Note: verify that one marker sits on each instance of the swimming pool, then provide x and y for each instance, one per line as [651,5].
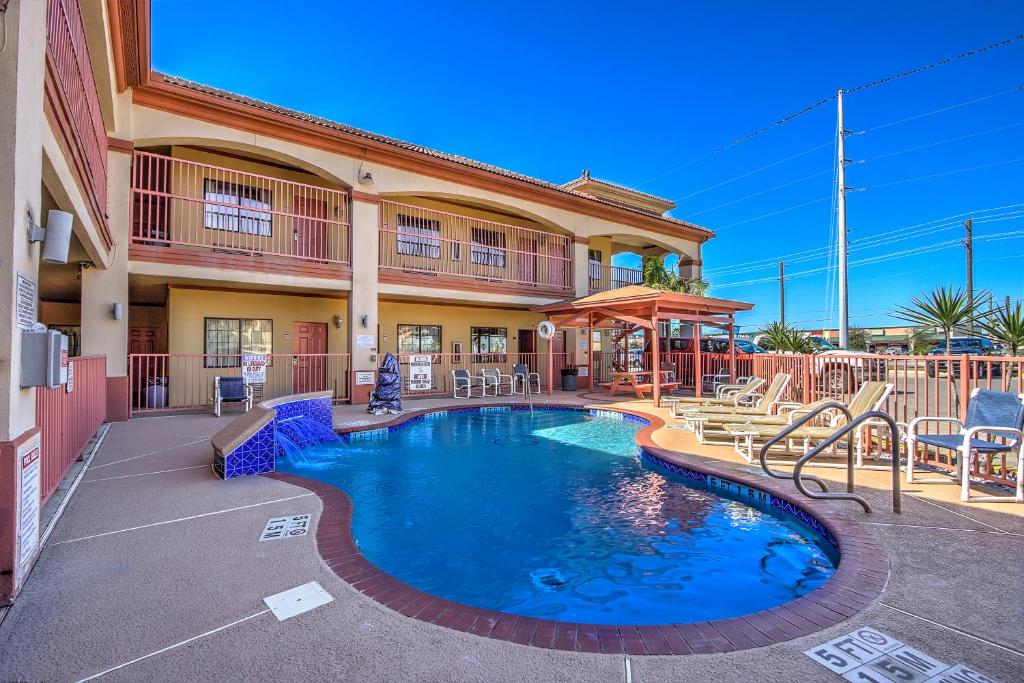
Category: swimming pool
[556,516]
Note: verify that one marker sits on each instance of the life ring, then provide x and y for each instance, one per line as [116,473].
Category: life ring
[545,329]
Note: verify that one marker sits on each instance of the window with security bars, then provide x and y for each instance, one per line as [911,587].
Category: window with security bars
[226,339]
[419,339]
[237,208]
[488,344]
[488,248]
[418,236]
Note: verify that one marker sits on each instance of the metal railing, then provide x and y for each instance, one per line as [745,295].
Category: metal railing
[423,241]
[841,432]
[601,278]
[161,382]
[442,365]
[186,203]
[68,419]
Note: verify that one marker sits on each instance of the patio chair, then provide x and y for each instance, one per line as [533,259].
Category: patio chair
[668,372]
[493,379]
[523,379]
[995,414]
[231,390]
[465,382]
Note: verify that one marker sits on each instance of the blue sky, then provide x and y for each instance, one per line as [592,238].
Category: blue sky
[633,91]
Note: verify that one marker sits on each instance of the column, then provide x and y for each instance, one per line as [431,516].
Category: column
[22,64]
[363,341]
[581,266]
[102,287]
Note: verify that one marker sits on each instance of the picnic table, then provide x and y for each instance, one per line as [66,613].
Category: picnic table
[633,380]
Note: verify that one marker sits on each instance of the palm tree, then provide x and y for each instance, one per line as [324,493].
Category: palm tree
[656,276]
[778,336]
[944,309]
[1005,324]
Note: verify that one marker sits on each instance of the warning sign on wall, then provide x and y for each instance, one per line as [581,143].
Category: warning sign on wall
[27,512]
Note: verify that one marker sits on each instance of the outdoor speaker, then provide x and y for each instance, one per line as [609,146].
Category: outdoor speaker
[58,237]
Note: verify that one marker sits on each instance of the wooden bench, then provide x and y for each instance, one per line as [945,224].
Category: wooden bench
[631,380]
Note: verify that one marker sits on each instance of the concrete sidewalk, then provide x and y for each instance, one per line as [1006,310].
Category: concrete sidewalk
[153,552]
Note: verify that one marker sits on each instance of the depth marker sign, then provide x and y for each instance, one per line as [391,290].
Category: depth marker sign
[869,656]
[285,527]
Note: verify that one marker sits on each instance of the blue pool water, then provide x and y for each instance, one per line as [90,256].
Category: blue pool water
[556,516]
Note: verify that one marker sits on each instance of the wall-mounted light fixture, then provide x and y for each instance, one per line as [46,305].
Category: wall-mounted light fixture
[364,320]
[116,311]
[337,322]
[56,236]
[366,178]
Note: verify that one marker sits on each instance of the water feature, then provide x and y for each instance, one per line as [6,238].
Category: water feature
[295,434]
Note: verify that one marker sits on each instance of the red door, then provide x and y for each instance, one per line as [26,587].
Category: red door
[310,232]
[309,364]
[558,266]
[144,340]
[528,348]
[526,261]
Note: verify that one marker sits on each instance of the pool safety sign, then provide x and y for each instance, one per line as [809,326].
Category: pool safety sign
[419,373]
[285,527]
[254,368]
[27,511]
[869,656]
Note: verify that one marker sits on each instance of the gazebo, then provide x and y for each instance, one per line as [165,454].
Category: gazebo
[636,307]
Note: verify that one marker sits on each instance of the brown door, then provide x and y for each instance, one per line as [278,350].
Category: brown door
[310,232]
[144,340]
[528,348]
[150,210]
[526,261]
[558,347]
[309,364]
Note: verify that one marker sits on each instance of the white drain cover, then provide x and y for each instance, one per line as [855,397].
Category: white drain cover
[298,600]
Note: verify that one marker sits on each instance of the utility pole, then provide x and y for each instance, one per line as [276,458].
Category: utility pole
[782,292]
[844,294]
[969,247]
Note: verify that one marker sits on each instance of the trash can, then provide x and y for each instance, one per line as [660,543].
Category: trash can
[569,379]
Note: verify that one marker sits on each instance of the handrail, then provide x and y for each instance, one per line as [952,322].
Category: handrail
[839,434]
[793,427]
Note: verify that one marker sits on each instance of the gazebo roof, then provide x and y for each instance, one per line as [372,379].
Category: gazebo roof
[638,303]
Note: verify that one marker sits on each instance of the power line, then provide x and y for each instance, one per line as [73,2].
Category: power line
[890,124]
[943,173]
[940,142]
[811,107]
[941,62]
[757,194]
[886,232]
[774,213]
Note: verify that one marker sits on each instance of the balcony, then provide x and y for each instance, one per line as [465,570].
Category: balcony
[601,278]
[196,214]
[73,109]
[435,248]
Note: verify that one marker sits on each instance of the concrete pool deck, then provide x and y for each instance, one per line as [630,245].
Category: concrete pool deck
[155,571]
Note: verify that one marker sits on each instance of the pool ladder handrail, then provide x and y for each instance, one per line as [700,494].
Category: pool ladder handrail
[851,424]
[529,396]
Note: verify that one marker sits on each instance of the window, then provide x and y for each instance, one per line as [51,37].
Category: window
[237,208]
[488,343]
[488,248]
[419,339]
[418,236]
[227,338]
[594,255]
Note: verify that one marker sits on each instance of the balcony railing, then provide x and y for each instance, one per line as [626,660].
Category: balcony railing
[602,278]
[73,98]
[425,242]
[176,202]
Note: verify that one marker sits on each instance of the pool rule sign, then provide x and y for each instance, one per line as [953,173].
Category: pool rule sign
[27,512]
[419,373]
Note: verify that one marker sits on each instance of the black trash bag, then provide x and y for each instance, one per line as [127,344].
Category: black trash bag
[387,396]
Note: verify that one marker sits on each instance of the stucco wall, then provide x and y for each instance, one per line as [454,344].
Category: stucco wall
[455,322]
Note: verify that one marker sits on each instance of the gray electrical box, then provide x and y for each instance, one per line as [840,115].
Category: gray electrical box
[44,358]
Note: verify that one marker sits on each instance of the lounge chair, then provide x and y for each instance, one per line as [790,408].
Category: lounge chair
[759,404]
[493,379]
[871,396]
[996,414]
[465,382]
[523,379]
[231,390]
[725,395]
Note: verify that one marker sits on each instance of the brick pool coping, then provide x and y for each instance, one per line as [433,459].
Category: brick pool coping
[856,583]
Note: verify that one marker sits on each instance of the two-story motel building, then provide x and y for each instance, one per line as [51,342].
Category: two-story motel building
[221,225]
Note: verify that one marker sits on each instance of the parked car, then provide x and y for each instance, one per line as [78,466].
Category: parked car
[710,345]
[841,372]
[969,346]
